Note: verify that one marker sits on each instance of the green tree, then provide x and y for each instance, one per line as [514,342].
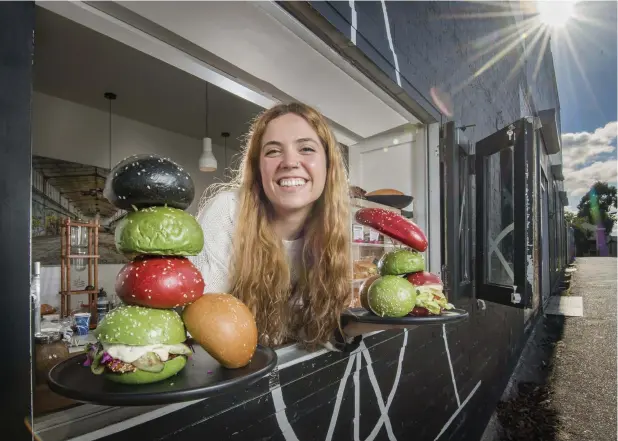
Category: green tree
[599,205]
[580,233]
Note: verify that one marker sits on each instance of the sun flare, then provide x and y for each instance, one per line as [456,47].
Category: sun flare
[555,14]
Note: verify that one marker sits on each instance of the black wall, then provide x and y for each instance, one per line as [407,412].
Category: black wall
[449,46]
[16,49]
[433,50]
[485,350]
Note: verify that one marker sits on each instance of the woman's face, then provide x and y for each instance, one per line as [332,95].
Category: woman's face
[292,164]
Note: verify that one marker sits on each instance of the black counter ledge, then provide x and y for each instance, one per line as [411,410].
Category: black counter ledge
[315,392]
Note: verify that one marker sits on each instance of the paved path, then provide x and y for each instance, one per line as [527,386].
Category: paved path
[583,381]
[564,388]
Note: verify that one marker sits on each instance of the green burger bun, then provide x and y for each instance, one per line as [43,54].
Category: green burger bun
[171,368]
[402,261]
[140,326]
[163,231]
[391,296]
[139,345]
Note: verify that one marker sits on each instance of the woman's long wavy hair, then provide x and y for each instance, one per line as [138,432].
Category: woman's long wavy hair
[260,275]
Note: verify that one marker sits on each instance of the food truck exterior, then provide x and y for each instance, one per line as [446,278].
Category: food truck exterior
[473,136]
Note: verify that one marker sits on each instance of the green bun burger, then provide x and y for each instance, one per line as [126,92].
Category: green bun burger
[391,296]
[403,261]
[160,231]
[139,345]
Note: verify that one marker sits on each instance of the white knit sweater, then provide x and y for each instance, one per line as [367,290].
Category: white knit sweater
[218,221]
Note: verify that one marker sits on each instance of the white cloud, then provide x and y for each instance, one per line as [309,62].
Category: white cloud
[579,148]
[582,166]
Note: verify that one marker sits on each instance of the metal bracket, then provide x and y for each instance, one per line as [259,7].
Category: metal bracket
[515,297]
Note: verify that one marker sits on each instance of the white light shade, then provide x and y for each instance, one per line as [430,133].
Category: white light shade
[208,162]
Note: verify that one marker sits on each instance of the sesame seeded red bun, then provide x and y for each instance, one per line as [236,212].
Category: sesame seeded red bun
[394,226]
[159,282]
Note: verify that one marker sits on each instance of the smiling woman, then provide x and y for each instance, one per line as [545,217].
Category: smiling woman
[278,236]
[293,171]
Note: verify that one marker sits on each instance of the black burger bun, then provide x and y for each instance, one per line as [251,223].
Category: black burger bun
[142,181]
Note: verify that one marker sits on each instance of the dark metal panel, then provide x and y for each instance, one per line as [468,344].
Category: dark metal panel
[207,414]
[457,256]
[16,57]
[519,138]
[411,98]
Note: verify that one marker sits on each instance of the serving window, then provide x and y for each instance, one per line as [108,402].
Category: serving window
[506,175]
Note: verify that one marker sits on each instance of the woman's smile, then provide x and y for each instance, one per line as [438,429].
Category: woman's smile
[292,164]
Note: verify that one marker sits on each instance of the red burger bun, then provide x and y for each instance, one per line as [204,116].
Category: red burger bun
[424,278]
[159,282]
[394,226]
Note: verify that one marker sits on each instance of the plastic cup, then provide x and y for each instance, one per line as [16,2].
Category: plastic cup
[82,322]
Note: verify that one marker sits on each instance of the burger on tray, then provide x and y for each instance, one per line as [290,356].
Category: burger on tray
[403,287]
[138,345]
[144,340]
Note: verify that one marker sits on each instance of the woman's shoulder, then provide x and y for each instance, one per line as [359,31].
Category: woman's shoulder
[222,204]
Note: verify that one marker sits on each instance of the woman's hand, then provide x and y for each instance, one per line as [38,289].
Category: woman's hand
[352,328]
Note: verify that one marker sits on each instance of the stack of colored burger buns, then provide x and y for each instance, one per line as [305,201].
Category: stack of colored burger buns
[144,340]
[402,287]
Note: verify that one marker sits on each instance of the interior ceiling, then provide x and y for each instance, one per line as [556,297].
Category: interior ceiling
[79,183]
[78,64]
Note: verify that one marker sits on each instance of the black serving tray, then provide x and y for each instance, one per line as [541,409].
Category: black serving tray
[361,315]
[395,200]
[202,377]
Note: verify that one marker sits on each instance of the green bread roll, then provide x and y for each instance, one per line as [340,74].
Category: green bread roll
[162,231]
[399,262]
[391,296]
[141,326]
[171,368]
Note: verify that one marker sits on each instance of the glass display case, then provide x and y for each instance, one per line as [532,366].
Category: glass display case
[367,247]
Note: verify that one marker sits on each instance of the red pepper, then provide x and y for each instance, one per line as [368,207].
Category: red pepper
[394,226]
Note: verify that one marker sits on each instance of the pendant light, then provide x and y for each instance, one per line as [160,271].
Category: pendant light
[208,162]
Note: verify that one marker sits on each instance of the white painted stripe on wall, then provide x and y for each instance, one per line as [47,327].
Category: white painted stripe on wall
[448,423]
[354,24]
[387,25]
[286,429]
[335,416]
[131,422]
[389,401]
[357,398]
[450,364]
[379,399]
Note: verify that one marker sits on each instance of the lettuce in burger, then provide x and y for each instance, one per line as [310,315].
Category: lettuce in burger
[430,298]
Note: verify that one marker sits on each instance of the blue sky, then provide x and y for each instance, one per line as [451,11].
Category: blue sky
[588,96]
